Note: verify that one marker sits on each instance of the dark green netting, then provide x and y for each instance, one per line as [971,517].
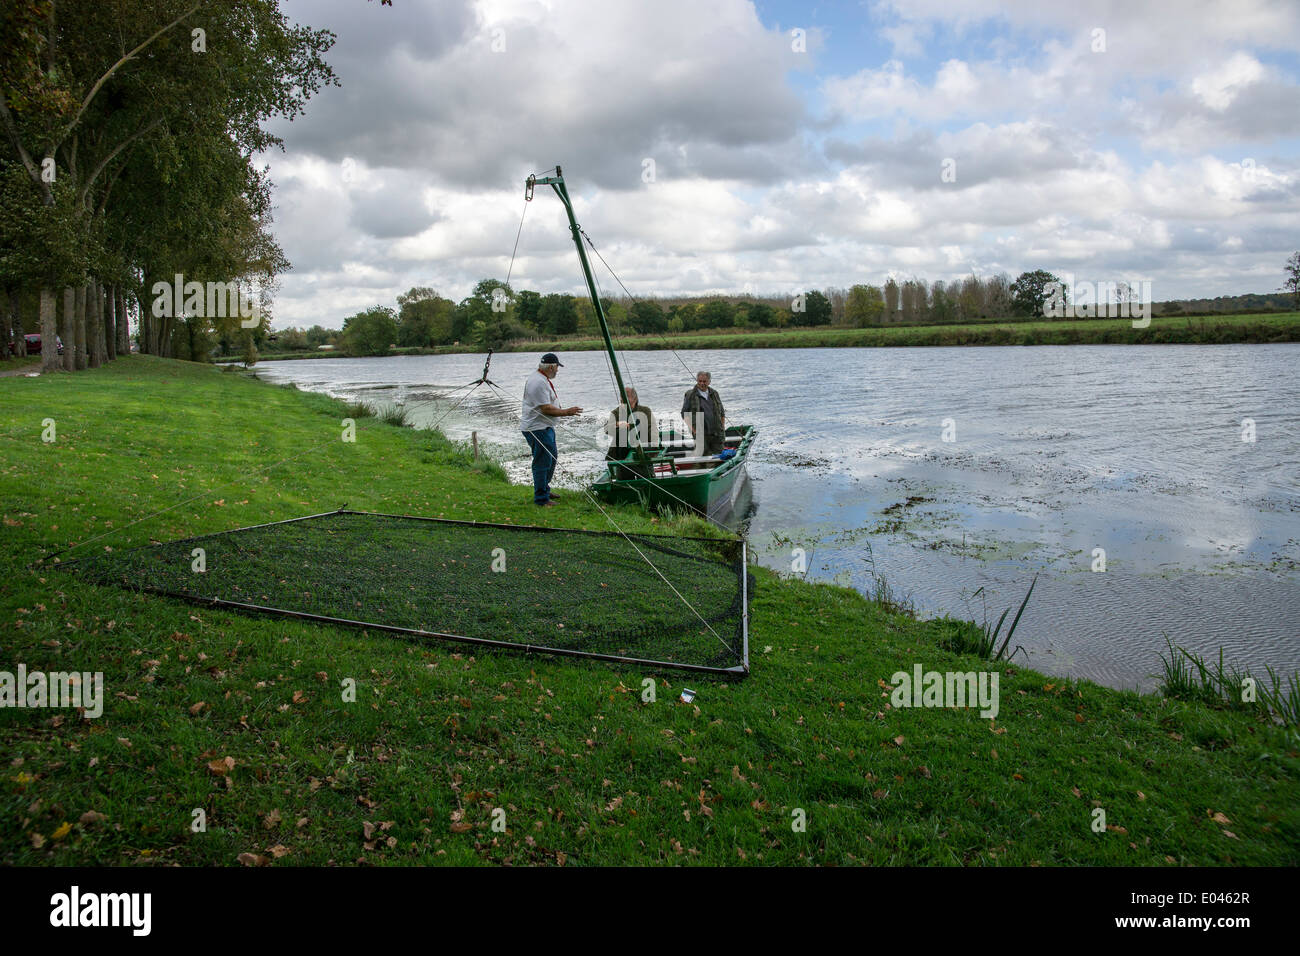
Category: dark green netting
[589,592]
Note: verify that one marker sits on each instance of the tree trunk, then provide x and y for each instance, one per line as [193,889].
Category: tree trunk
[16,323]
[123,325]
[69,331]
[109,298]
[95,323]
[49,331]
[143,320]
[81,328]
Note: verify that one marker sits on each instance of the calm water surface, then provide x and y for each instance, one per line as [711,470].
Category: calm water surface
[1055,452]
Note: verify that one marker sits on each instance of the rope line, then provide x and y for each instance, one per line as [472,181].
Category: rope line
[653,567]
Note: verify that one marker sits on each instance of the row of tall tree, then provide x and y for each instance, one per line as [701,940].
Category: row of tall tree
[129,130]
[494,313]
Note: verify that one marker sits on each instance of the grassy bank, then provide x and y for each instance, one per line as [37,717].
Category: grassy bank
[1163,330]
[242,717]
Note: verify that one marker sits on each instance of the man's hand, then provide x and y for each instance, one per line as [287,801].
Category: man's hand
[573,410]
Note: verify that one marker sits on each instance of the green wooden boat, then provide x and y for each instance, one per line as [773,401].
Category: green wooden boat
[669,475]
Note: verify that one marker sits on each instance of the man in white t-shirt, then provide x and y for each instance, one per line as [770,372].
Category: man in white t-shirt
[541,408]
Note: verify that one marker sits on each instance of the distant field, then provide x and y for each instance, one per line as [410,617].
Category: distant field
[1274,327]
[1163,330]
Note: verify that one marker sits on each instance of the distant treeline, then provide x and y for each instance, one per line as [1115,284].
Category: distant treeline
[494,314]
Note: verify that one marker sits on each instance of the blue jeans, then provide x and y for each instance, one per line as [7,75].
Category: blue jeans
[542,442]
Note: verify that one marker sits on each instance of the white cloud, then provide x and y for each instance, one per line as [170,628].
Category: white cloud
[1170,154]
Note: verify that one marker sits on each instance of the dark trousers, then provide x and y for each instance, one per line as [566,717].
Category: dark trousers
[542,442]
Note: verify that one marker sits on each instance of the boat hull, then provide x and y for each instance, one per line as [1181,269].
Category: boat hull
[702,490]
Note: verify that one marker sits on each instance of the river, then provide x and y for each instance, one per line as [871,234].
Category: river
[944,470]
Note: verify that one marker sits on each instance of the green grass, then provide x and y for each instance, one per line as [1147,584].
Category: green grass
[438,738]
[1187,675]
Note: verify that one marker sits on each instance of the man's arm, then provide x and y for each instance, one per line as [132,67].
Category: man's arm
[556,412]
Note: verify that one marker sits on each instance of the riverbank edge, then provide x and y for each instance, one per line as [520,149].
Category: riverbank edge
[823,655]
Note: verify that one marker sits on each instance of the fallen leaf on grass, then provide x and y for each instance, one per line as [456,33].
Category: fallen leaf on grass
[271,819]
[92,816]
[253,859]
[1219,818]
[222,767]
[197,708]
[279,850]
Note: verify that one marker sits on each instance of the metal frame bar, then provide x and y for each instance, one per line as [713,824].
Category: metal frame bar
[739,671]
[744,605]
[214,534]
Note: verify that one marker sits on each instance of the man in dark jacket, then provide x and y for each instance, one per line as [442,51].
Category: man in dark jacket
[702,406]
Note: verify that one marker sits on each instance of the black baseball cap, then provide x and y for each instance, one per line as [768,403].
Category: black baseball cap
[550,358]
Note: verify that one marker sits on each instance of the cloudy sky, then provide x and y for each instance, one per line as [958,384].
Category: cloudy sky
[761,146]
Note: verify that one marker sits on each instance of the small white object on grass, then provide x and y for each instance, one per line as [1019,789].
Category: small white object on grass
[688,695]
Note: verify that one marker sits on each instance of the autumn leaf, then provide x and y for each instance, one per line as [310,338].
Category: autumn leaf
[368,829]
[279,850]
[461,827]
[253,859]
[38,841]
[271,819]
[197,708]
[299,697]
[898,741]
[1219,818]
[62,831]
[93,816]
[222,766]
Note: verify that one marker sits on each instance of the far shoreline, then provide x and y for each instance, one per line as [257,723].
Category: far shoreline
[1255,329]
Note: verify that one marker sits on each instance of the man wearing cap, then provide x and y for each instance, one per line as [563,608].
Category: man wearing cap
[541,408]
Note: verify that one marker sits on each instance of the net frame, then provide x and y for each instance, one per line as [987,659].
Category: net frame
[737,671]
